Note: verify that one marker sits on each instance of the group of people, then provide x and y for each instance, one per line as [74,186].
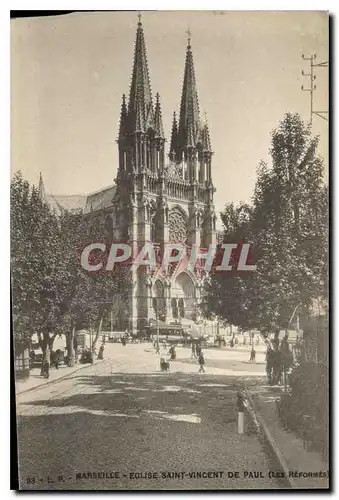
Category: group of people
[196,353]
[50,359]
[279,361]
[53,358]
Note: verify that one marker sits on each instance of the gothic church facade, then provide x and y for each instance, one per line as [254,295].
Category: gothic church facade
[159,197]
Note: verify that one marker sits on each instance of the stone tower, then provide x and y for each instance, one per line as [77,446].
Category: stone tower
[162,200]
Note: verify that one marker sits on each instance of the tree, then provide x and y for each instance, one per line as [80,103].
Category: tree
[286,226]
[34,263]
[52,293]
[83,297]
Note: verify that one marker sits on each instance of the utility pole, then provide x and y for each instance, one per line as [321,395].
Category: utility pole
[312,86]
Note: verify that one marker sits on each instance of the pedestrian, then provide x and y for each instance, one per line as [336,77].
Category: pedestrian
[198,350]
[46,362]
[201,361]
[252,356]
[57,356]
[193,354]
[172,353]
[101,352]
[157,349]
[269,365]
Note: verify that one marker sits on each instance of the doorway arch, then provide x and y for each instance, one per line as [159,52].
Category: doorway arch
[183,293]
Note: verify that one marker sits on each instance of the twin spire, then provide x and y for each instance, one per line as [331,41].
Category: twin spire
[140,116]
[190,132]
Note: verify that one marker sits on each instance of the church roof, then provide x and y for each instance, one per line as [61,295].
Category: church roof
[100,199]
[62,203]
[77,202]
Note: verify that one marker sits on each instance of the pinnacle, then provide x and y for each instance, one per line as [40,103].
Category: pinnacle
[159,129]
[41,189]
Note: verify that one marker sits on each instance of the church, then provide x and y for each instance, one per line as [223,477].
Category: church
[157,196]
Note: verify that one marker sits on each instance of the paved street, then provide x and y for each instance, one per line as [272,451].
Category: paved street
[122,416]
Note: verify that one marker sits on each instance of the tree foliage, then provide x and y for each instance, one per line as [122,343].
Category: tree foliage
[286,225]
[52,293]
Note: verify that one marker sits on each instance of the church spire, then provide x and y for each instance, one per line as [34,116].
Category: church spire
[158,126]
[205,136]
[174,138]
[41,190]
[140,92]
[189,121]
[123,118]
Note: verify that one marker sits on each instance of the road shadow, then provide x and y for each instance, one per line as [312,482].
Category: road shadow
[136,422]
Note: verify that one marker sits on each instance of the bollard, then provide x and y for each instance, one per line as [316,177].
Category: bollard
[241,406]
[240,422]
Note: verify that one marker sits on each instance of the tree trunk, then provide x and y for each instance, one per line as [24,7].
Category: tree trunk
[70,347]
[46,341]
[51,340]
[97,332]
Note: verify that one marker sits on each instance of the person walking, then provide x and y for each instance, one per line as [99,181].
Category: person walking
[101,352]
[157,348]
[46,363]
[193,354]
[269,365]
[201,361]
[252,356]
[172,353]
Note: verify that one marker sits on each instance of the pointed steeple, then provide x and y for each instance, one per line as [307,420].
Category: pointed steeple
[41,190]
[140,91]
[206,139]
[123,118]
[159,129]
[189,110]
[174,137]
[205,136]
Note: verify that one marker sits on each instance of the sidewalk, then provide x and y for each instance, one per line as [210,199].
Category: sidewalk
[36,380]
[290,449]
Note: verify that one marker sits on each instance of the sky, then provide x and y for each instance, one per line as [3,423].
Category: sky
[68,74]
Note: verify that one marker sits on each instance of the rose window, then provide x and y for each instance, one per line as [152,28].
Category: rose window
[177,226]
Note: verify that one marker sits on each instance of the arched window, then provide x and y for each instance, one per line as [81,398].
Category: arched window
[181,308]
[174,308]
